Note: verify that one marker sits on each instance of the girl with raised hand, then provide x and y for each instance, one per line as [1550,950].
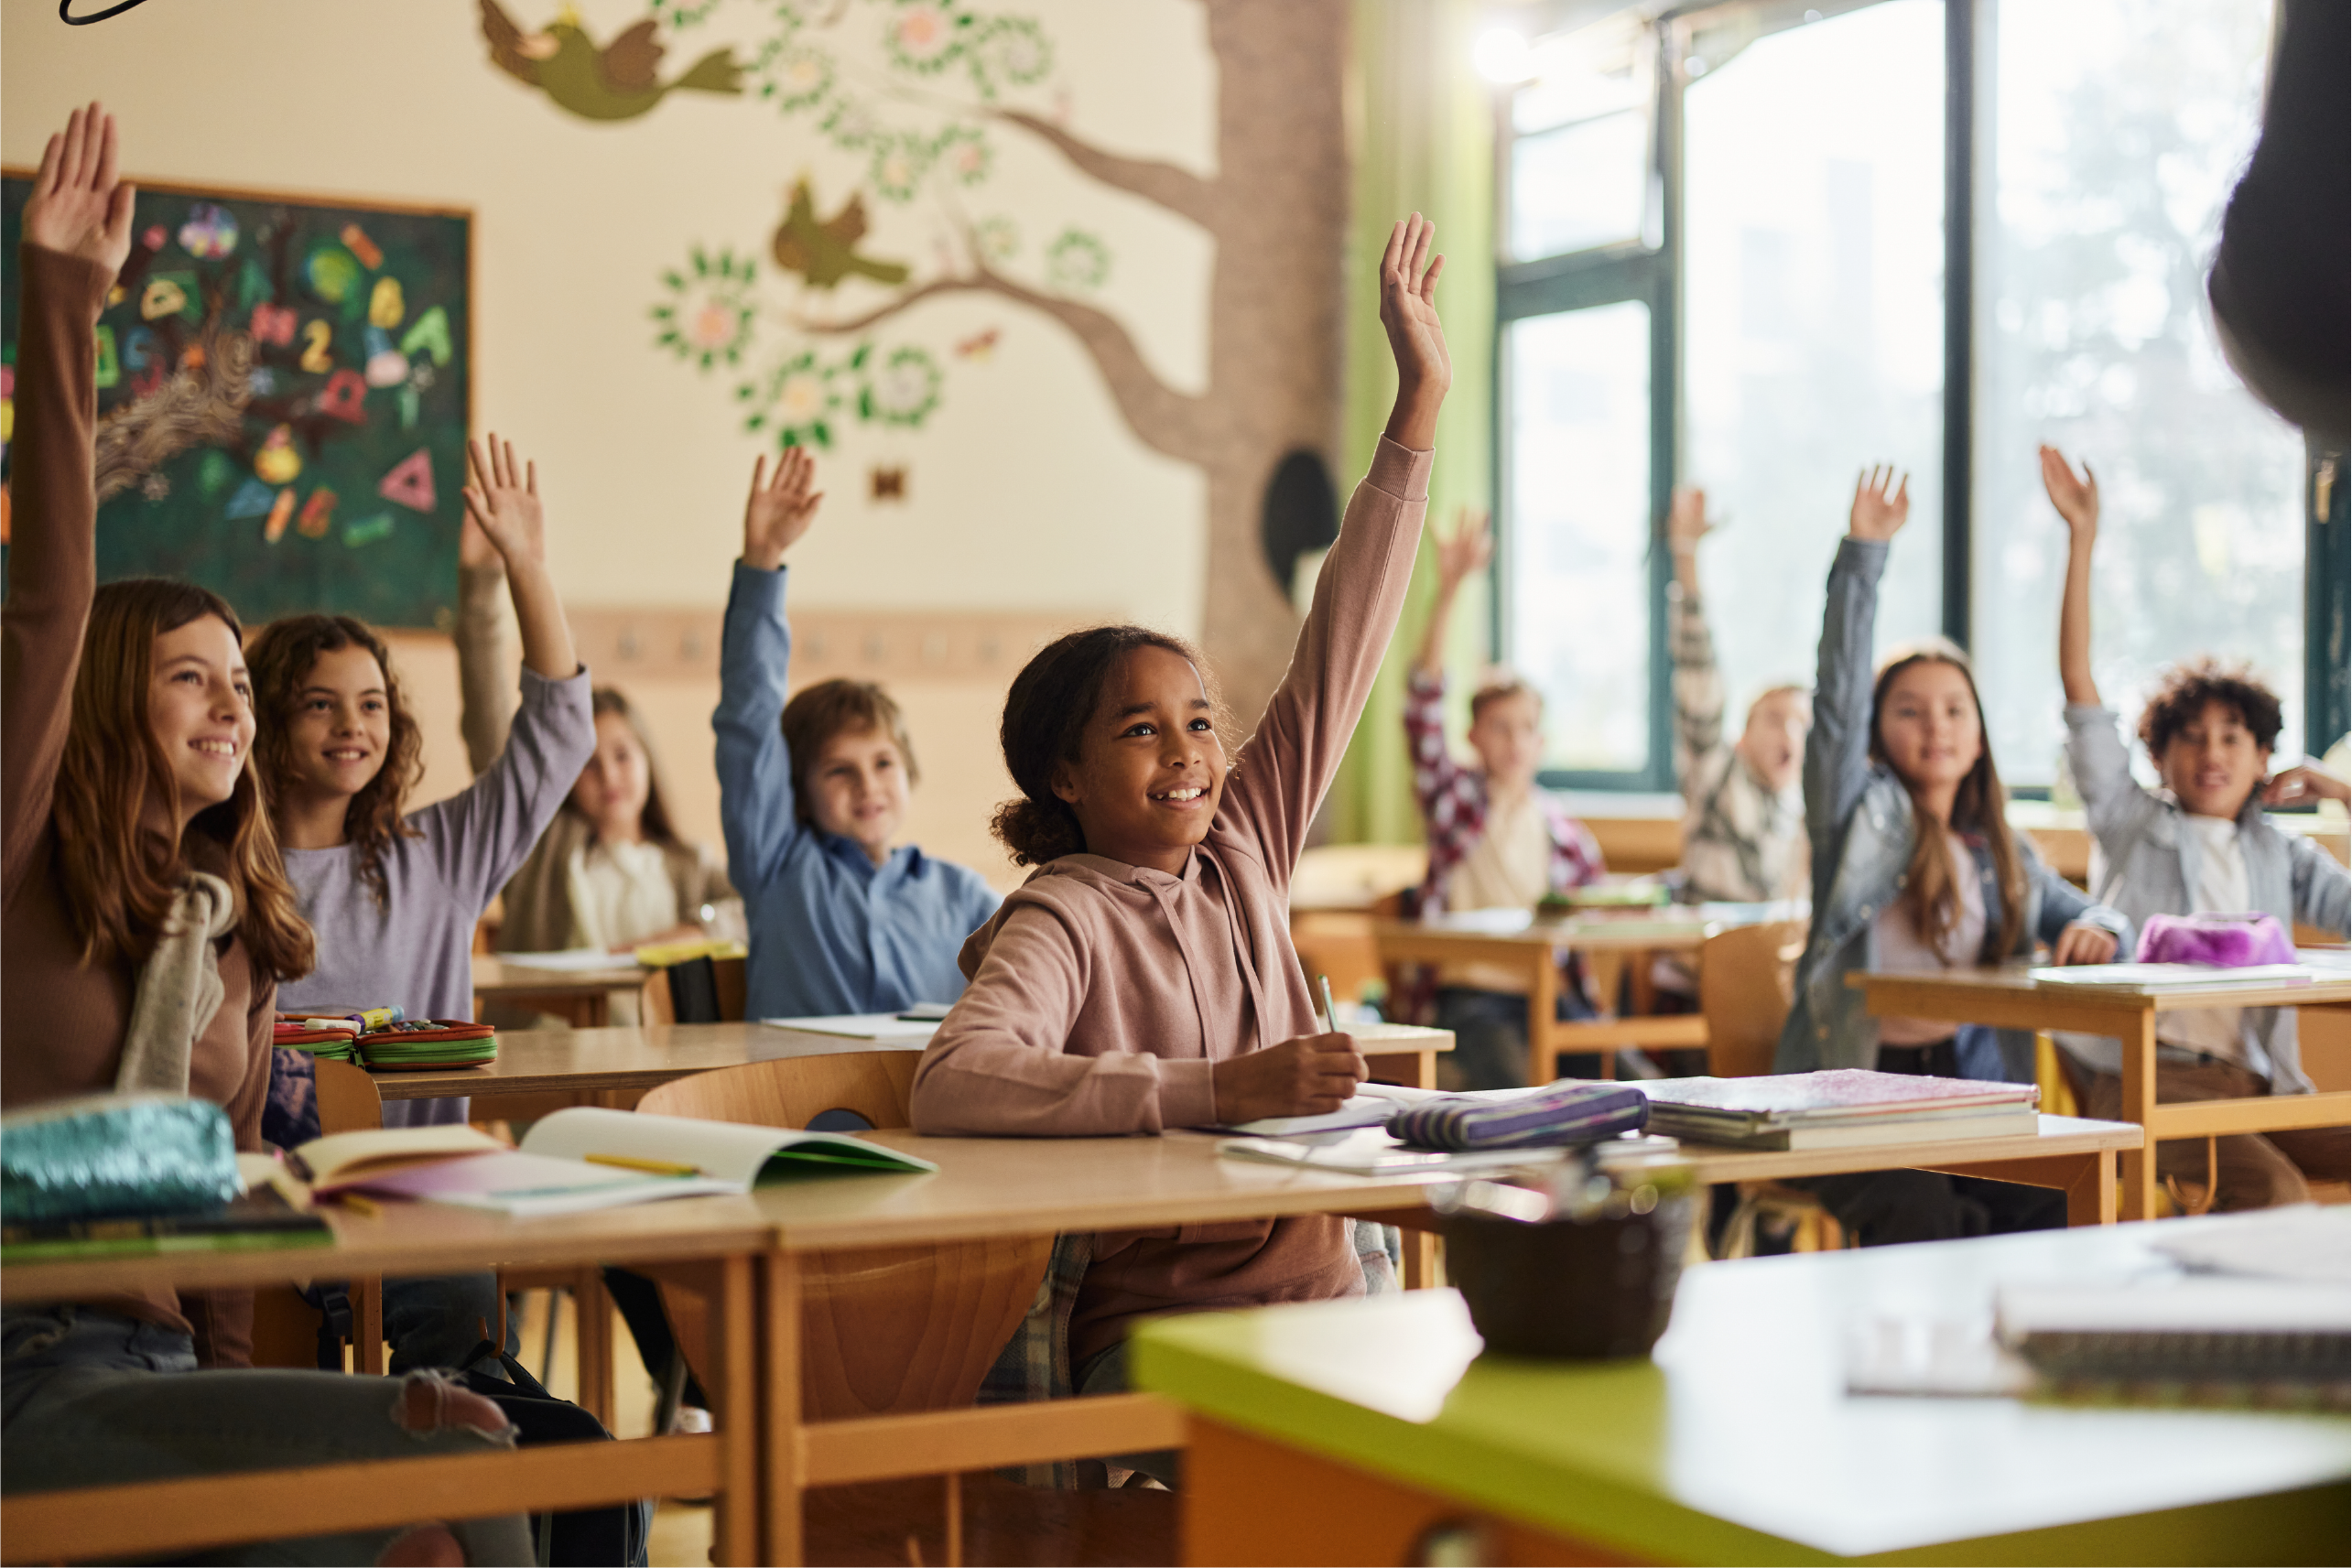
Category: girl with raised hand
[1144,978]
[1914,868]
[146,924]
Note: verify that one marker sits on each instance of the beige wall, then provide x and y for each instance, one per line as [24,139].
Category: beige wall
[1027,493]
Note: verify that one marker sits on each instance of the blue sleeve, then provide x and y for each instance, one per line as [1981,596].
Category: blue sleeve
[1837,754]
[2322,888]
[756,805]
[480,836]
[981,901]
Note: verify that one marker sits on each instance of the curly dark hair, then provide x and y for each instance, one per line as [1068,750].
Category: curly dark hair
[1045,715]
[2183,694]
[280,659]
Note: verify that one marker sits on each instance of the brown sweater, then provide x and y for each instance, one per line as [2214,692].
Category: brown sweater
[62,1021]
[1102,995]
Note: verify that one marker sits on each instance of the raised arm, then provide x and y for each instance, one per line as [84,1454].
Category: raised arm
[2077,502]
[485,653]
[1466,551]
[1698,682]
[1274,789]
[77,232]
[504,502]
[1838,757]
[755,803]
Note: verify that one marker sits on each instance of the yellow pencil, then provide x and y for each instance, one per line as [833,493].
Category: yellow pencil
[367,1208]
[656,1167]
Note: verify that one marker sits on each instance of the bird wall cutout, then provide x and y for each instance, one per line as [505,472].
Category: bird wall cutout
[616,81]
[825,252]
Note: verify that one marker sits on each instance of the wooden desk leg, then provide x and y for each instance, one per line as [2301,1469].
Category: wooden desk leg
[780,1456]
[2088,1179]
[2140,1106]
[367,1327]
[1543,1003]
[1425,1260]
[1424,1069]
[592,1337]
[2096,1206]
[734,1394]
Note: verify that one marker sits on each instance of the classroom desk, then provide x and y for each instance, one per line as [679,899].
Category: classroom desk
[713,1243]
[621,1064]
[2007,997]
[1735,1443]
[583,997]
[1517,940]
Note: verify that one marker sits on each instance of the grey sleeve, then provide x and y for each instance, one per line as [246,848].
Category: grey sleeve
[2322,888]
[1837,755]
[2114,804]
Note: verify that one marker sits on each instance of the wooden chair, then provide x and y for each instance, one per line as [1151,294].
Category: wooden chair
[900,1329]
[1747,982]
[699,991]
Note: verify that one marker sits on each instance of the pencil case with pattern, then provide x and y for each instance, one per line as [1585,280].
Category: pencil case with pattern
[116,1157]
[420,1044]
[1562,1114]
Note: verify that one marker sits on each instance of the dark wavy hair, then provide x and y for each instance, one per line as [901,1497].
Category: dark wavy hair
[2185,690]
[1045,715]
[1931,885]
[119,880]
[281,658]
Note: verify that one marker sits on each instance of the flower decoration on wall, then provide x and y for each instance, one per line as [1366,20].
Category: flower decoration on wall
[796,400]
[1078,260]
[707,318]
[901,389]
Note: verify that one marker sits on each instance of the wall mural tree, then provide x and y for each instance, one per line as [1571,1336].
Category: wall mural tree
[920,90]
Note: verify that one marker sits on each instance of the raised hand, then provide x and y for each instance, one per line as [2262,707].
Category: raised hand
[1882,505]
[1466,551]
[2304,783]
[2075,499]
[1416,337]
[504,502]
[780,509]
[77,205]
[1686,525]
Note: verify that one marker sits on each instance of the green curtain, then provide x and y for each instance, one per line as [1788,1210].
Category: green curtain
[1422,131]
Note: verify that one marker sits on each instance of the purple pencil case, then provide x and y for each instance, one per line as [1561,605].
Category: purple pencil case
[2225,941]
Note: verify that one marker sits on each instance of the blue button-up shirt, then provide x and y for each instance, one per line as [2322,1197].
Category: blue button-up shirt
[831,932]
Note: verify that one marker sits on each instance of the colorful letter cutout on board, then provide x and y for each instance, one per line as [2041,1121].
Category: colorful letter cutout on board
[410,482]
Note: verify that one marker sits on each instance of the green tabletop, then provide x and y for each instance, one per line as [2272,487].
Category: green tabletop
[1737,1442]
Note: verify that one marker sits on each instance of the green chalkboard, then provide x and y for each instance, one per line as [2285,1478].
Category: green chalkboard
[284,389]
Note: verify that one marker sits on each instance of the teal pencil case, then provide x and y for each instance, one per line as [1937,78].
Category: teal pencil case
[116,1157]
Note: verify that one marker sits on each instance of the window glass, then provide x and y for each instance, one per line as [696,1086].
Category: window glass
[1579,186]
[2117,127]
[1813,329]
[1577,406]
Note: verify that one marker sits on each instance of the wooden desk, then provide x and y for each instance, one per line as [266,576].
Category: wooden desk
[1735,1443]
[585,997]
[1518,941]
[2008,997]
[619,1065]
[711,1243]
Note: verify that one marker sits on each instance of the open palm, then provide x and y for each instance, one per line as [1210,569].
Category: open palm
[1881,504]
[1467,550]
[2075,499]
[77,205]
[780,509]
[504,502]
[1409,305]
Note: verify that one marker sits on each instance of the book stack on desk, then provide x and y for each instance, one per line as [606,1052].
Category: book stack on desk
[1838,1108]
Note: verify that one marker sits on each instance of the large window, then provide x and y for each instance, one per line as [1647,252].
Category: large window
[1773,287]
[2115,129]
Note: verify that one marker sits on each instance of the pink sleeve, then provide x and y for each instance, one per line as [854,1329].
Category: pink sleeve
[1289,762]
[998,1063]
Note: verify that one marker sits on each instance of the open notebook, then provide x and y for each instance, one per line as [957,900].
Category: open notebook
[586,1158]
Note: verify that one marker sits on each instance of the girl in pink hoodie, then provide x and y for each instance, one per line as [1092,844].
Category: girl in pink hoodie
[1144,977]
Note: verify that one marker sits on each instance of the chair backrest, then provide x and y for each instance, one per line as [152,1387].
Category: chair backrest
[699,991]
[906,1328]
[348,1101]
[1747,978]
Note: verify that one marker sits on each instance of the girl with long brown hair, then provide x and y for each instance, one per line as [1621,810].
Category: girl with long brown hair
[1915,867]
[146,924]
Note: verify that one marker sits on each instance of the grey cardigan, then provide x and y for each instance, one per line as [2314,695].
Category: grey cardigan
[2143,864]
[1859,815]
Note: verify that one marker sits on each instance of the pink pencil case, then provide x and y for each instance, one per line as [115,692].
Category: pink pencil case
[2225,941]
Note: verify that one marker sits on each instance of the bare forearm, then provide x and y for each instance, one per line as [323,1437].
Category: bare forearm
[1412,422]
[1432,660]
[2074,629]
[547,635]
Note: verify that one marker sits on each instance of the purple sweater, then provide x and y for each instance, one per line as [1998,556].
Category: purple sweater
[417,950]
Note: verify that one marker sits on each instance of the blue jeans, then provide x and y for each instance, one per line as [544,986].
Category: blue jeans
[88,1398]
[1490,1034]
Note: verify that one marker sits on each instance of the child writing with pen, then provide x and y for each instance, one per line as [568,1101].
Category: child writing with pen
[1144,978]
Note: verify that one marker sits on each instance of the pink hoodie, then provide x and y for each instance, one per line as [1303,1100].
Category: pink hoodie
[1103,993]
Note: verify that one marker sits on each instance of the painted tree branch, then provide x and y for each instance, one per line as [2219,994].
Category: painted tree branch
[1179,190]
[1165,419]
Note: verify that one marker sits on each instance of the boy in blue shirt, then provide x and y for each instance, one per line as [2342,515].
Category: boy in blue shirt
[811,794]
[2199,845]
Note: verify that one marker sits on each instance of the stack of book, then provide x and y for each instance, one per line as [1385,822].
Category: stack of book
[1840,1108]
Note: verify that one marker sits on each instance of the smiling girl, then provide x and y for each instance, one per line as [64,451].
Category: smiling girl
[1144,978]
[147,925]
[1914,868]
[812,794]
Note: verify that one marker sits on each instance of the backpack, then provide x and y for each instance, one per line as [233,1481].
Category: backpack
[611,1536]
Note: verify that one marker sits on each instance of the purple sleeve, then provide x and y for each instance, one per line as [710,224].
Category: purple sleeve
[480,836]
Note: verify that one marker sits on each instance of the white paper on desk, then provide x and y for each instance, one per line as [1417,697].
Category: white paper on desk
[2147,978]
[887,1027]
[2302,1242]
[570,961]
[1371,1104]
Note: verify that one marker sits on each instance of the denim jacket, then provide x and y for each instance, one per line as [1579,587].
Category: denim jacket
[1859,815]
[2145,865]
